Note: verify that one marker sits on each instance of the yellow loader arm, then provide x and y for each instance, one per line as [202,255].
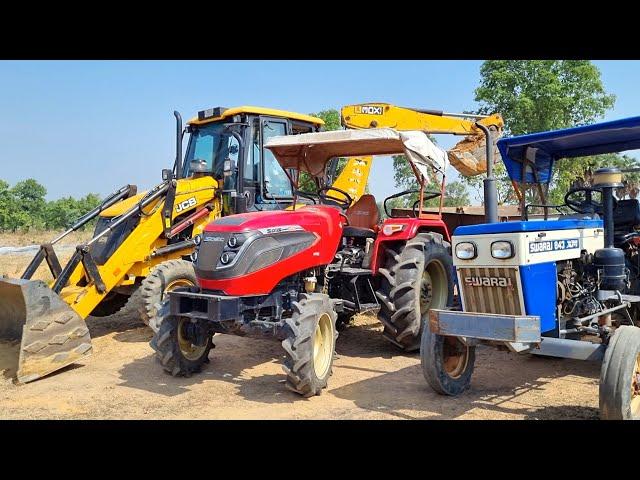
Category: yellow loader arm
[467,156]
[354,176]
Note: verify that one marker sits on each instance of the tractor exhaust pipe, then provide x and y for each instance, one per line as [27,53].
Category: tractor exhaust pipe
[490,189]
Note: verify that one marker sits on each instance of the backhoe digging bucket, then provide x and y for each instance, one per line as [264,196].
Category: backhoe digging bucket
[39,332]
[469,156]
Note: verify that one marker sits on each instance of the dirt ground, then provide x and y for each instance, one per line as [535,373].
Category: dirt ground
[371,380]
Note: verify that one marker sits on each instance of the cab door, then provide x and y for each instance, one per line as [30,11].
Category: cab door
[264,185]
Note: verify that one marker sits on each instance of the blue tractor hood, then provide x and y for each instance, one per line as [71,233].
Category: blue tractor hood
[544,148]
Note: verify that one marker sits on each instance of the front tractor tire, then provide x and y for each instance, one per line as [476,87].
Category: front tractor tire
[182,347]
[415,277]
[447,363]
[310,344]
[619,390]
[153,289]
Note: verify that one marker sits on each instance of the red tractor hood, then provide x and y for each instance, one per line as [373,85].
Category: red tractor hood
[273,245]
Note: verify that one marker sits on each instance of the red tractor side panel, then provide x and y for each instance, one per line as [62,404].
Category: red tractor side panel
[411,227]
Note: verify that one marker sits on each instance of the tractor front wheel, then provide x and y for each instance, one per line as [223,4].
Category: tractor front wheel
[310,344]
[620,376]
[447,363]
[181,346]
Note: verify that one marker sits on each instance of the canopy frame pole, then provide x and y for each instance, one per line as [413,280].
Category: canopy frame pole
[421,181]
[490,187]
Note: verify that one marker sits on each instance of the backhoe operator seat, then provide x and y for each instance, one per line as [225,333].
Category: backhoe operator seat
[363,218]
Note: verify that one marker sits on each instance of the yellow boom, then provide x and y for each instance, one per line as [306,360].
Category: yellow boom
[468,156]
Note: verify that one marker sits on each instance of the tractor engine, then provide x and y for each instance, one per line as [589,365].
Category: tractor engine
[577,288]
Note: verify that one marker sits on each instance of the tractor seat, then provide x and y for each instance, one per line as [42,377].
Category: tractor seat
[363,218]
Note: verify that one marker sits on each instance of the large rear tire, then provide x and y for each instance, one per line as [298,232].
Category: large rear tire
[175,345]
[310,344]
[162,279]
[415,277]
[619,390]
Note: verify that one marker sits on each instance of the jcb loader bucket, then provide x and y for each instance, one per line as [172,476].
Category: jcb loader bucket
[469,156]
[50,334]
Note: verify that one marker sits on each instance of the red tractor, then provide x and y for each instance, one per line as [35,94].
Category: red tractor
[294,275]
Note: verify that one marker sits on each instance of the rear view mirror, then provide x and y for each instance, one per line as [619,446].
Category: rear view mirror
[167,174]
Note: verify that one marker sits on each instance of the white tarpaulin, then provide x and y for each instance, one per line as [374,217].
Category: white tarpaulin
[310,152]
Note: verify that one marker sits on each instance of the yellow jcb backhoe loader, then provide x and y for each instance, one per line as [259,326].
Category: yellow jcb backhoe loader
[142,242]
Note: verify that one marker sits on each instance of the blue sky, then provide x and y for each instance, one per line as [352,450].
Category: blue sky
[92,126]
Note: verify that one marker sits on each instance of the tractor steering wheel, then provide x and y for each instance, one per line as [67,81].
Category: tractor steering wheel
[586,204]
[327,199]
[427,195]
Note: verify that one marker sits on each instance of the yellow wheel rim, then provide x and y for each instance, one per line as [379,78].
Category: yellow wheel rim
[323,345]
[635,389]
[434,291]
[180,282]
[188,349]
[455,356]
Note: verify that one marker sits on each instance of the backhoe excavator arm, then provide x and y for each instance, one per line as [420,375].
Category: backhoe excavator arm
[468,156]
[381,115]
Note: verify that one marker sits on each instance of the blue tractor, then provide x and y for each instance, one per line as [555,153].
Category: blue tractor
[563,285]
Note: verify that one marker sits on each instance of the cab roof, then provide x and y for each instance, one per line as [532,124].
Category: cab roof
[541,150]
[220,113]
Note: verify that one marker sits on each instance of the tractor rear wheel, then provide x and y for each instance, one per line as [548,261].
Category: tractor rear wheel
[620,376]
[181,346]
[415,277]
[162,279]
[310,344]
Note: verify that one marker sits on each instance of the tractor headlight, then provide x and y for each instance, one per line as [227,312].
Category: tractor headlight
[502,249]
[466,250]
[197,240]
[227,257]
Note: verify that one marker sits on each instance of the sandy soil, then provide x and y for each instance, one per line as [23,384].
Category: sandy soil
[244,380]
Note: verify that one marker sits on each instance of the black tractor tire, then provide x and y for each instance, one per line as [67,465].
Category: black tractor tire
[403,283]
[310,344]
[169,345]
[619,390]
[152,291]
[447,364]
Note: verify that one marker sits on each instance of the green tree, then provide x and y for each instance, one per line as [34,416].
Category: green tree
[11,216]
[538,95]
[331,119]
[456,195]
[29,197]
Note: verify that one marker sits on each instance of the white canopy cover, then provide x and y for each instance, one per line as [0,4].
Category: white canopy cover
[310,152]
